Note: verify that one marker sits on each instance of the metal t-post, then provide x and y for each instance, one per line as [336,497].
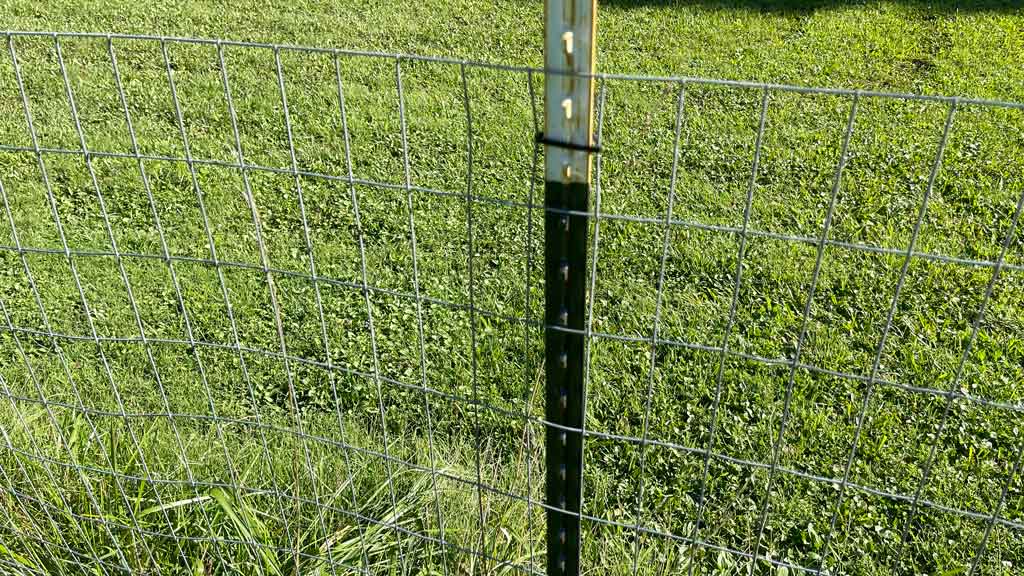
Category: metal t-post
[567,137]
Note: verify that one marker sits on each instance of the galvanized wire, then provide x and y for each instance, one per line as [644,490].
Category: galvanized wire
[52,509]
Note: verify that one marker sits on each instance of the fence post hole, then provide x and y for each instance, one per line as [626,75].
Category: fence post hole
[568,147]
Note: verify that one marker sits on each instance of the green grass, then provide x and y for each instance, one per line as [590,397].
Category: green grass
[254,505]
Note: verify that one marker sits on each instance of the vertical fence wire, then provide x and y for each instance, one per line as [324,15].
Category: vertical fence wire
[472,309]
[78,286]
[737,280]
[528,358]
[316,289]
[819,257]
[80,133]
[602,94]
[974,334]
[660,287]
[236,344]
[35,448]
[410,208]
[264,263]
[996,511]
[885,332]
[165,252]
[364,290]
[978,319]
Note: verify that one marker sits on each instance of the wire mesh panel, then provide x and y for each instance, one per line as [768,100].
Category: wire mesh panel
[246,310]
[272,309]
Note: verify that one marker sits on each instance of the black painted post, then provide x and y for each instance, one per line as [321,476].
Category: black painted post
[569,60]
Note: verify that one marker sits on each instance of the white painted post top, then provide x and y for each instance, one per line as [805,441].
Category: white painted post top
[568,98]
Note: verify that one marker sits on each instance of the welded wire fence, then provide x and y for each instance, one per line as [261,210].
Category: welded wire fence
[275,309]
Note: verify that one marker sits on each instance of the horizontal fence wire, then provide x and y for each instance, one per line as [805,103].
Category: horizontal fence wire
[274,309]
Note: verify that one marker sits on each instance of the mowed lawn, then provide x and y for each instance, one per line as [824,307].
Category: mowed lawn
[180,396]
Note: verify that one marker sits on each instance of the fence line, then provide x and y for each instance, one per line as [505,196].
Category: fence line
[104,477]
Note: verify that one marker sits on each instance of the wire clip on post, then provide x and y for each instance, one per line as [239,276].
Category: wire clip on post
[568,148]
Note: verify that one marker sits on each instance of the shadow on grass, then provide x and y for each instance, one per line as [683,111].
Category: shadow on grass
[800,7]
